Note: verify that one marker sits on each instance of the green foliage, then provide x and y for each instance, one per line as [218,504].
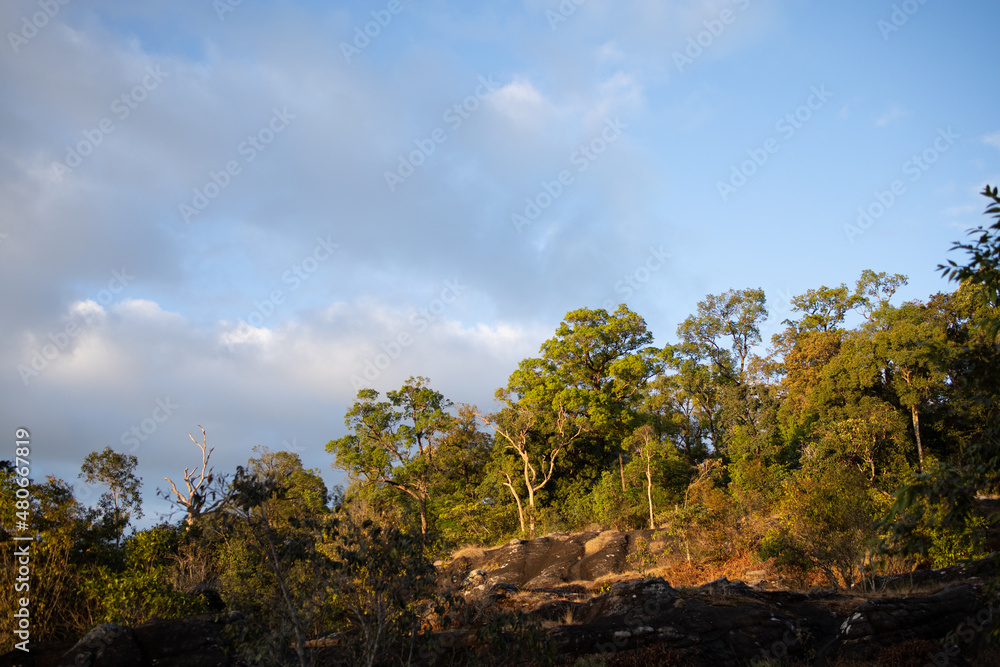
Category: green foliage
[642,557]
[957,544]
[828,516]
[791,458]
[140,590]
[382,586]
[983,261]
[397,441]
[122,501]
[273,570]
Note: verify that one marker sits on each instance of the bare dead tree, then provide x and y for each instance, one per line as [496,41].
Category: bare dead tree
[205,492]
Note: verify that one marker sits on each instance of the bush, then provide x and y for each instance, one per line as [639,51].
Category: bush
[141,590]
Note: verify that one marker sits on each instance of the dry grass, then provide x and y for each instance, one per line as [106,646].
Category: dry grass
[470,552]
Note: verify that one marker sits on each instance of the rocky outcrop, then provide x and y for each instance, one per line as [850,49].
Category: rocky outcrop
[196,641]
[727,622]
[553,560]
[550,583]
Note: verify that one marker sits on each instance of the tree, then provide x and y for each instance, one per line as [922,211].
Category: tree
[725,329]
[828,516]
[205,493]
[915,346]
[516,425]
[396,442]
[983,262]
[595,368]
[122,501]
[461,501]
[873,294]
[824,309]
[647,445]
[275,570]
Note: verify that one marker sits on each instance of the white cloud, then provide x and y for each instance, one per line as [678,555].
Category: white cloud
[992,139]
[895,113]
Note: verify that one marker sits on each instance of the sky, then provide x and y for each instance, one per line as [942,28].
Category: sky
[233,215]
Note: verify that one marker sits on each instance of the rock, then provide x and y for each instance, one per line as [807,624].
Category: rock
[883,622]
[106,645]
[196,641]
[213,601]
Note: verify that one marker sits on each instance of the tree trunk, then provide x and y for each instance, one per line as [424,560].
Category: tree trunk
[649,494]
[422,502]
[517,499]
[531,513]
[531,505]
[916,432]
[621,468]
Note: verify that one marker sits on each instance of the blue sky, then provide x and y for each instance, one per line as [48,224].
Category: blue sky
[230,245]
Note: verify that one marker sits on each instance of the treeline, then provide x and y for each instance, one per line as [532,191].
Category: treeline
[857,441]
[795,454]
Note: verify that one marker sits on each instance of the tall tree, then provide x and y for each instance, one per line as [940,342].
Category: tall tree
[534,455]
[595,367]
[395,442]
[917,350]
[725,329]
[122,501]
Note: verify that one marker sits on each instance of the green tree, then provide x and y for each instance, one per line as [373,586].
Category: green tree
[828,516]
[595,368]
[140,589]
[983,261]
[396,442]
[528,452]
[917,351]
[648,447]
[725,330]
[70,540]
[122,501]
[272,568]
[461,501]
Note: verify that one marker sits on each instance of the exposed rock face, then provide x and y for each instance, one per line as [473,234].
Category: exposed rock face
[551,561]
[196,641]
[729,623]
[726,622]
